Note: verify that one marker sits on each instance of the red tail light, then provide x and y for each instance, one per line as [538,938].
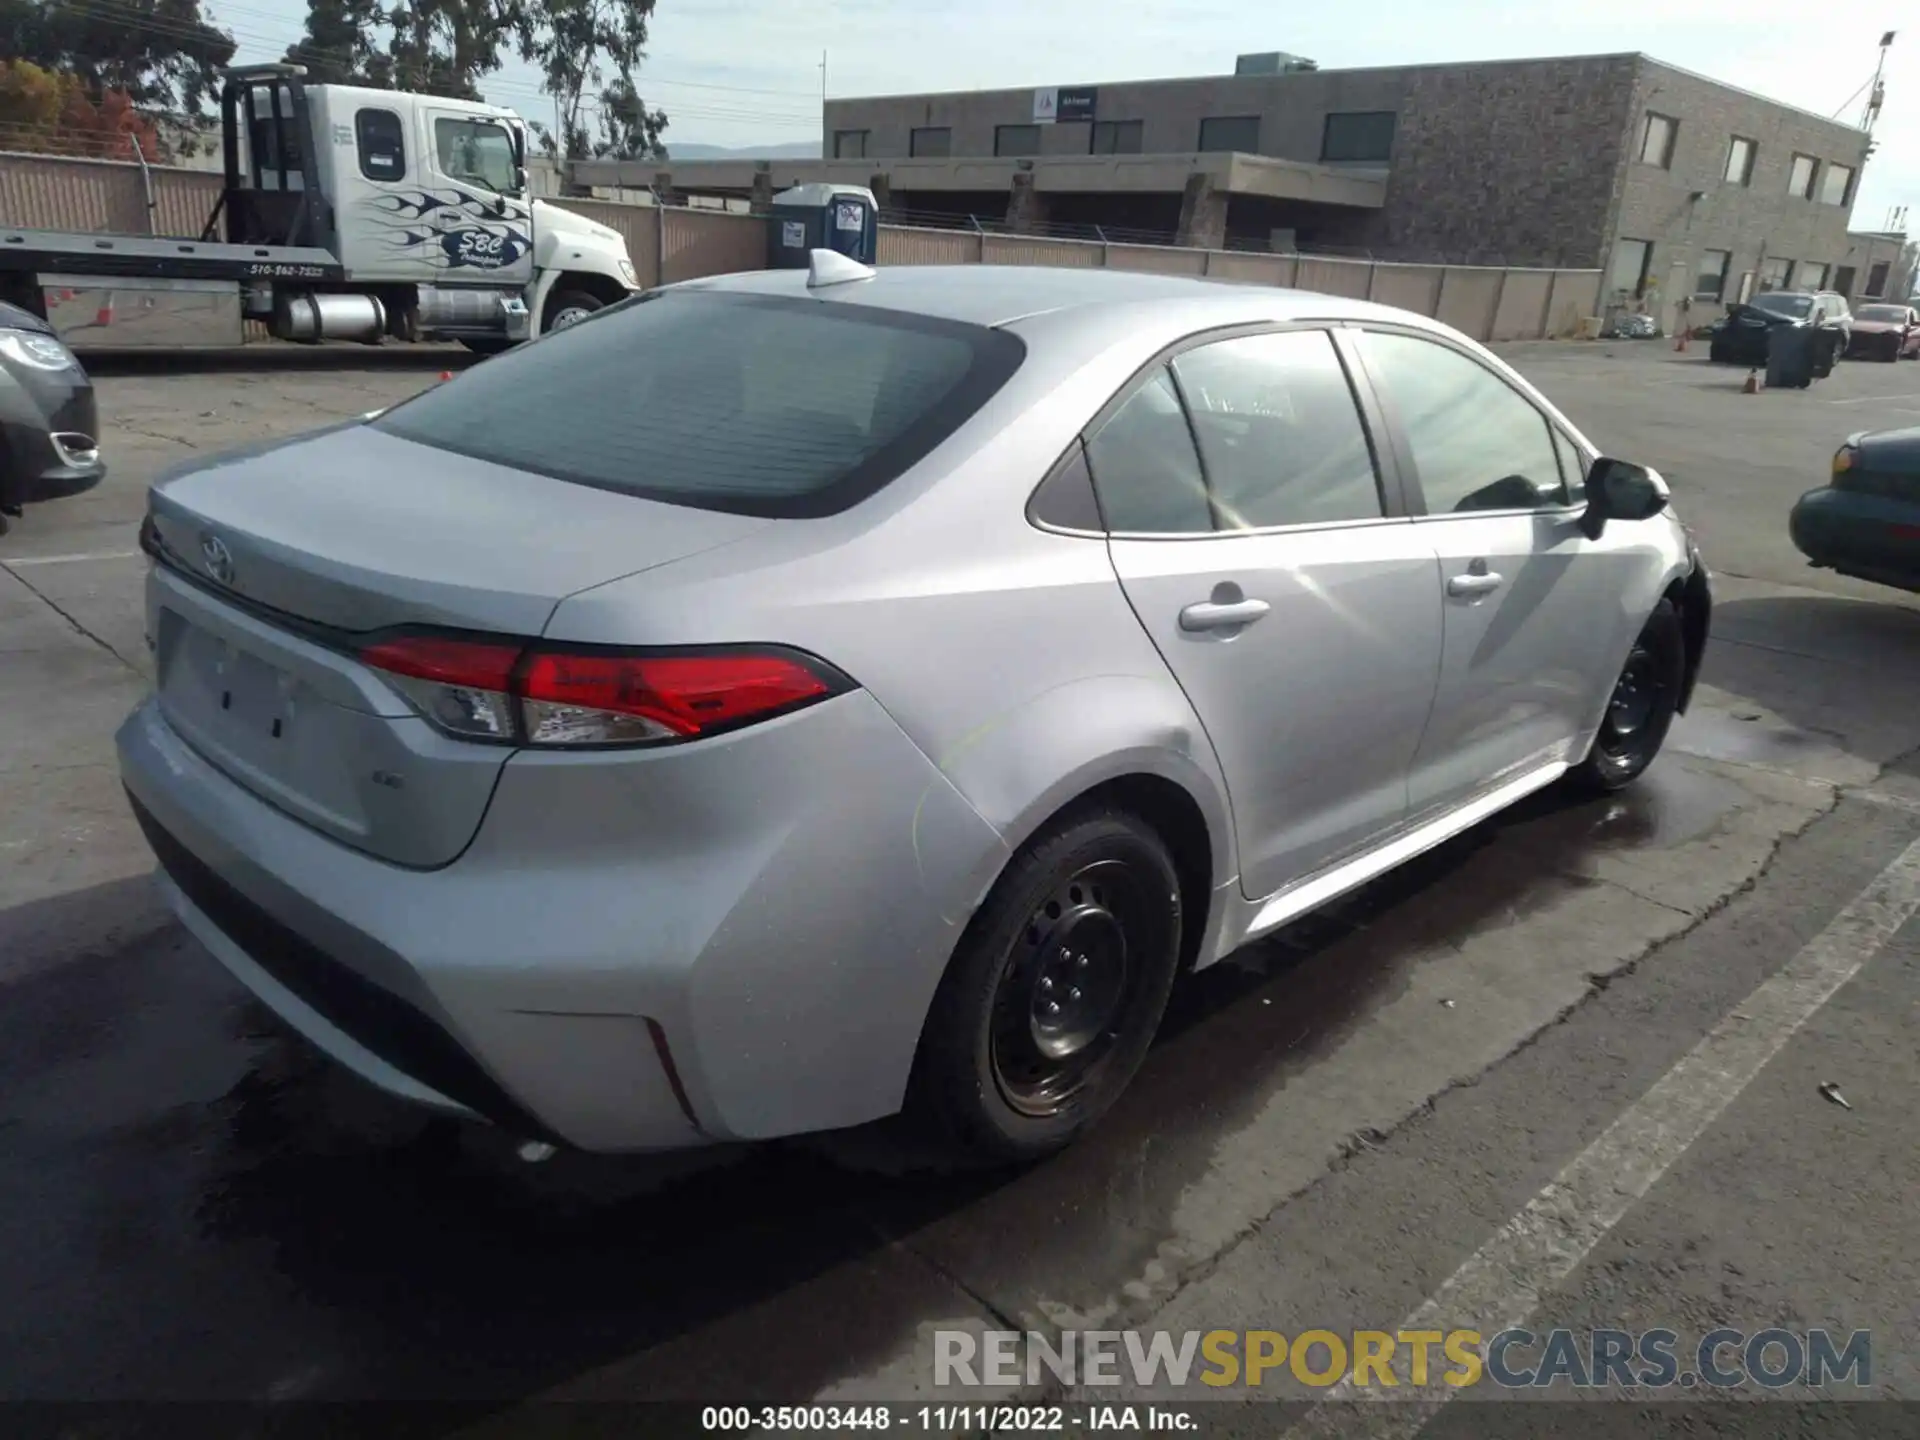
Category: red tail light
[512,693]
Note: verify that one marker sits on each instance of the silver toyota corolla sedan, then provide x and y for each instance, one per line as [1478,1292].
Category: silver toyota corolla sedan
[787,699]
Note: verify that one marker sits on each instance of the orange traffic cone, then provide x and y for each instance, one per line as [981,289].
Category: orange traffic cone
[1752,387]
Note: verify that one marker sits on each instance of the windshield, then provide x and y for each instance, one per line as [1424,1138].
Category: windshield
[1885,314]
[745,403]
[1796,306]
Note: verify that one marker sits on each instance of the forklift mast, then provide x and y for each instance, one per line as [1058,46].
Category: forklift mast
[272,194]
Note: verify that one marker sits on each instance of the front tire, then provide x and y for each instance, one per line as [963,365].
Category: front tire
[1054,993]
[567,307]
[1641,709]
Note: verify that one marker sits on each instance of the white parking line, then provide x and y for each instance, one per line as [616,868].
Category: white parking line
[14,562]
[1872,399]
[1499,1286]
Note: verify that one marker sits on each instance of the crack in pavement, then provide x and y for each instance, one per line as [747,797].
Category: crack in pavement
[64,614]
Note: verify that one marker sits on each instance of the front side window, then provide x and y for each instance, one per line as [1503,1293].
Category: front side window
[382,145]
[1016,139]
[1477,442]
[479,152]
[721,401]
[1279,431]
[1145,469]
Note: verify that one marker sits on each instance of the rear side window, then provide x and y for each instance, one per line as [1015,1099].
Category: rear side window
[382,144]
[1279,431]
[1145,469]
[752,404]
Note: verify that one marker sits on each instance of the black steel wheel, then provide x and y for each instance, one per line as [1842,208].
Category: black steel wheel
[1053,996]
[1641,708]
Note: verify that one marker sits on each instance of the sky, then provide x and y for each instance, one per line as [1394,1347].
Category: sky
[747,72]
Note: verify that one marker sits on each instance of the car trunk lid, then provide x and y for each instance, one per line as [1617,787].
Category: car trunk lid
[279,565]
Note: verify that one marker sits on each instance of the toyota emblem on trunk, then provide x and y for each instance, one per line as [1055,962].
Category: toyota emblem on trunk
[217,559]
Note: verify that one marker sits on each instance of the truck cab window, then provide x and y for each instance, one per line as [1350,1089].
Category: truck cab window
[479,152]
[382,143]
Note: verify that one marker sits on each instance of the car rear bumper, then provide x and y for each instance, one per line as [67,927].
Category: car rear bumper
[596,971]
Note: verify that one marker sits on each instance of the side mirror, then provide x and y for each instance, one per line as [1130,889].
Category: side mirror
[519,179]
[1621,490]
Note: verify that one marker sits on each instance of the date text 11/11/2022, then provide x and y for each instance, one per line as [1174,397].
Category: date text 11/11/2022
[946,1419]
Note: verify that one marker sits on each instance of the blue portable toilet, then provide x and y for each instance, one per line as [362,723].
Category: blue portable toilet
[844,218]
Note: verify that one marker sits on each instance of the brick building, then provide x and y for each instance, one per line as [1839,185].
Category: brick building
[1674,184]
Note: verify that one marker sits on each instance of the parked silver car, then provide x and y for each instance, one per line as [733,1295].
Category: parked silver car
[786,698]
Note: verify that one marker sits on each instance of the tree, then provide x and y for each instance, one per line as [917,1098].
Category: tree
[586,51]
[51,113]
[628,130]
[161,54]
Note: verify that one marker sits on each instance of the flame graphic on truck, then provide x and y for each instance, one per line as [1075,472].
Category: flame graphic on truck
[455,230]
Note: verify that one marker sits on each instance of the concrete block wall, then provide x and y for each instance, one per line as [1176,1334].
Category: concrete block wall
[1691,206]
[669,244]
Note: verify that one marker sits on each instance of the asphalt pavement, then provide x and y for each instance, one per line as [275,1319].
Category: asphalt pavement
[1537,1078]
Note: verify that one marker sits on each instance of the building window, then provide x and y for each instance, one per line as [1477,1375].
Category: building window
[1775,274]
[1800,176]
[1711,281]
[383,146]
[1231,132]
[1877,278]
[1836,185]
[849,144]
[1631,259]
[1843,280]
[1656,140]
[1117,137]
[931,141]
[1740,161]
[1357,136]
[1016,139]
[1813,275]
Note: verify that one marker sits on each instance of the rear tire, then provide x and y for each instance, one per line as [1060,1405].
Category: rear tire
[488,347]
[1641,708]
[1054,993]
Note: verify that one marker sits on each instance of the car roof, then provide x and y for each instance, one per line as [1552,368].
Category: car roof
[998,295]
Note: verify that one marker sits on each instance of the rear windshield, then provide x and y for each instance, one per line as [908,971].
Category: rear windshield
[759,405]
[1795,305]
[1888,314]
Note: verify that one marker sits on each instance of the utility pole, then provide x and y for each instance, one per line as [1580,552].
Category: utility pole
[1877,92]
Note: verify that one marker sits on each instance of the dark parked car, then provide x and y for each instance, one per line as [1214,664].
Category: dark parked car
[1742,337]
[1886,332]
[1866,522]
[49,427]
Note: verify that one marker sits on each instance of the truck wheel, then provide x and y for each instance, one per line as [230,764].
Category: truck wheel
[567,307]
[488,347]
